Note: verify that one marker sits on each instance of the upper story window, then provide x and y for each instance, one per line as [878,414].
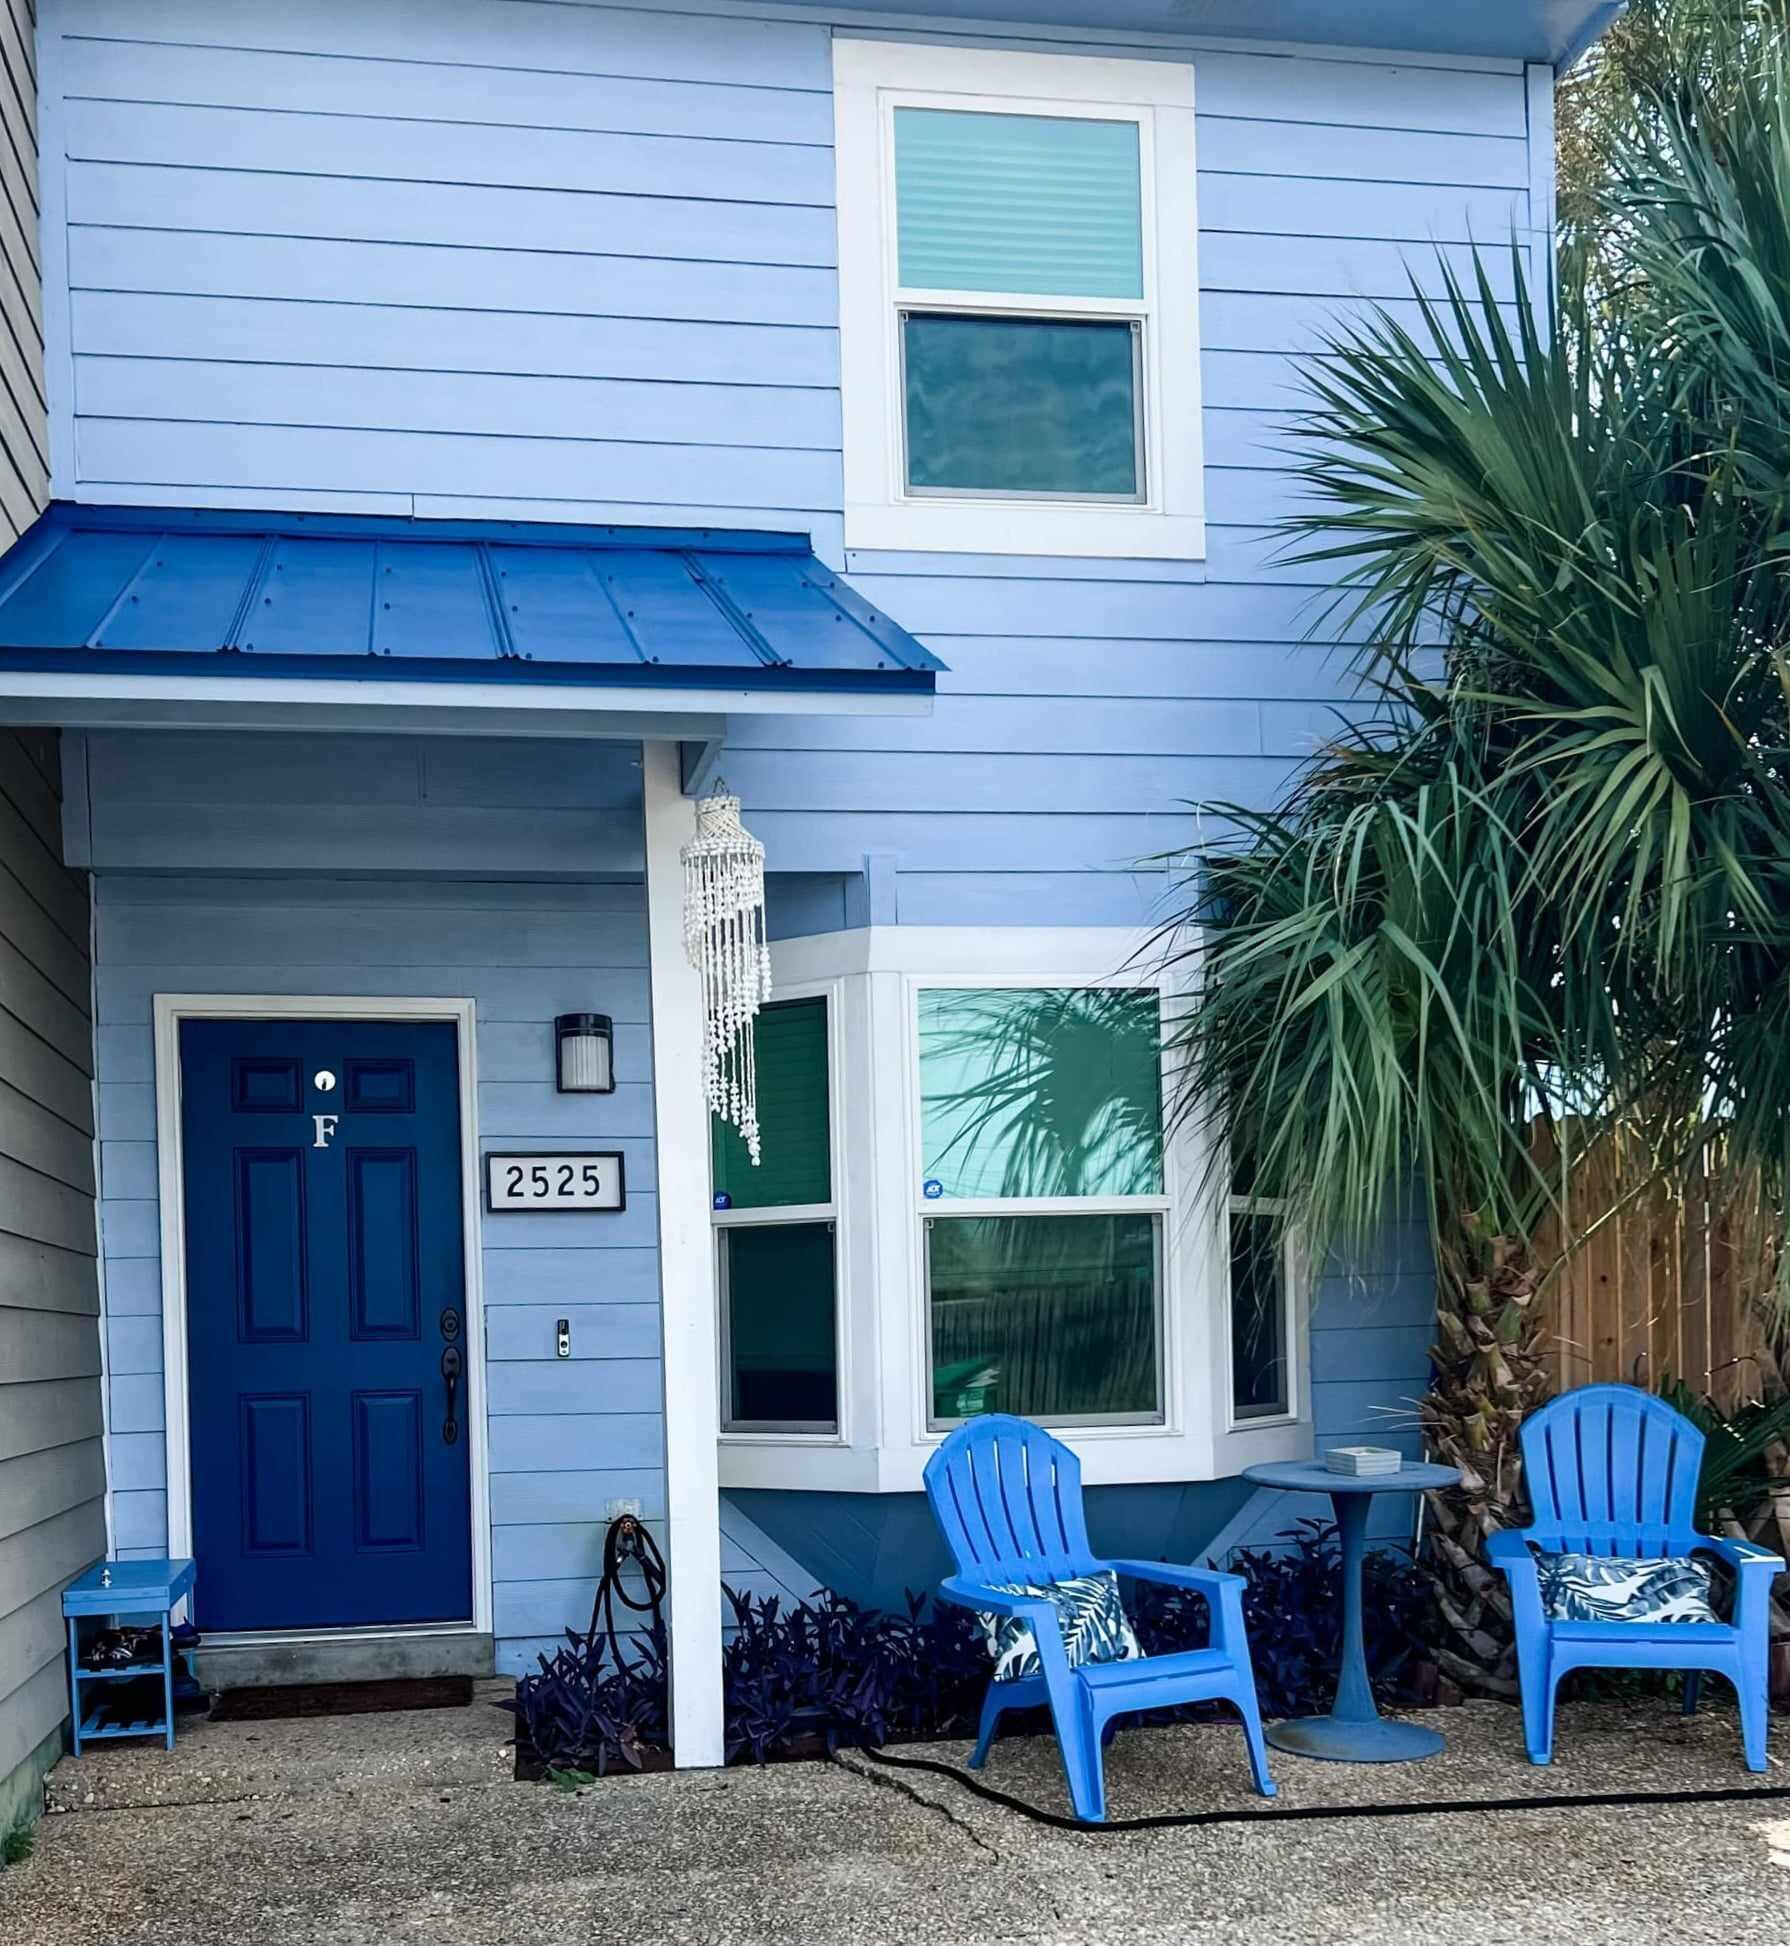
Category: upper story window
[1019,302]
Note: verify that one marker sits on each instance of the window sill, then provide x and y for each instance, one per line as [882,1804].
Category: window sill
[1110,1456]
[811,1463]
[1086,532]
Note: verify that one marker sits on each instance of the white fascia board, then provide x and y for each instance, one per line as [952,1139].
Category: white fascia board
[93,702]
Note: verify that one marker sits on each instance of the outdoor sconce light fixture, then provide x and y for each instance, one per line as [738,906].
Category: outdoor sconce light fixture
[585,1048]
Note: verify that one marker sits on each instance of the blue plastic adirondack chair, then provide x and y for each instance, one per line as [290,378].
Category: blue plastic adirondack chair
[1612,1471]
[1008,1497]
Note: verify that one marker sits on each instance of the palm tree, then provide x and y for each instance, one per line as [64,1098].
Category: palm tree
[1696,52]
[1550,880]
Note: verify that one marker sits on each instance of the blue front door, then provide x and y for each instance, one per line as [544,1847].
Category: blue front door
[326,1323]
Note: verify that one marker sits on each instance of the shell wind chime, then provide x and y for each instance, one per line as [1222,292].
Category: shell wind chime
[724,936]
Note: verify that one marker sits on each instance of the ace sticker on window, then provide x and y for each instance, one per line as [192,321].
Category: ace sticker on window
[590,1180]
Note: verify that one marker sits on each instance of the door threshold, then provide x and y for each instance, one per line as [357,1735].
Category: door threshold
[233,1638]
[263,1659]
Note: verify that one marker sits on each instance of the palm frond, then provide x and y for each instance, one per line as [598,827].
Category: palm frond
[1556,869]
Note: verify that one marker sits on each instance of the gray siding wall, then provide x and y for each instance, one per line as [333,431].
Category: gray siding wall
[24,420]
[52,1463]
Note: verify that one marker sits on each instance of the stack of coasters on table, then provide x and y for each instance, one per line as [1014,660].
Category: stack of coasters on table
[1363,1462]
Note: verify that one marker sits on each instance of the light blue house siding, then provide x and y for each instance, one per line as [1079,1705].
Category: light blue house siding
[563,261]
[574,261]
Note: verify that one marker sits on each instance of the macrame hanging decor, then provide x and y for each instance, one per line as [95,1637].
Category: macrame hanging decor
[724,935]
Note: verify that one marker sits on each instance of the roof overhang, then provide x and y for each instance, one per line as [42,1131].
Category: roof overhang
[156,618]
[86,700]
[1551,31]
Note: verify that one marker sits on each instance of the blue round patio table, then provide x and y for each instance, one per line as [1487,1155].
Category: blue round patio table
[1354,1732]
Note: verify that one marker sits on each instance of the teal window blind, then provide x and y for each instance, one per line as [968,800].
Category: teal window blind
[790,1041]
[1041,1091]
[1039,205]
[1022,406]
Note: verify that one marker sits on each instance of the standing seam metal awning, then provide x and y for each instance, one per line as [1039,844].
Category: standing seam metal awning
[134,590]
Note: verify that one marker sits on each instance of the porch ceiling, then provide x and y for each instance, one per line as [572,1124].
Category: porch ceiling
[704,619]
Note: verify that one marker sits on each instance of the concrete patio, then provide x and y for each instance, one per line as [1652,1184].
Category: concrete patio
[353,1830]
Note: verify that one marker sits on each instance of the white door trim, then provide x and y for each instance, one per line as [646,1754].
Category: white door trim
[170,1010]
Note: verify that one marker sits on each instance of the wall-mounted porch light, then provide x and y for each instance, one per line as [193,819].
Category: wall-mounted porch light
[584,1045]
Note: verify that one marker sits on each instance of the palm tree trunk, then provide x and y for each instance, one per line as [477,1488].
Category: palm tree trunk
[1487,1375]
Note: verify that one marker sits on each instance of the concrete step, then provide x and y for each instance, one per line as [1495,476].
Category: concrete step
[247,1663]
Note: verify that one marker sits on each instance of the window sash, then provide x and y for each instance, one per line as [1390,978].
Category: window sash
[792,1109]
[1140,407]
[1056,199]
[1103,1201]
[1027,107]
[765,1220]
[1244,1418]
[1156,1210]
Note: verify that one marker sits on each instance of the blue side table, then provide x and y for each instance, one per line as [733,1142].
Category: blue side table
[114,1588]
[1354,1732]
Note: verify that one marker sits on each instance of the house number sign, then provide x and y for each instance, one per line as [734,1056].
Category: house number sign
[587,1180]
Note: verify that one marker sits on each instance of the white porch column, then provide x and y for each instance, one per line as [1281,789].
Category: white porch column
[686,1278]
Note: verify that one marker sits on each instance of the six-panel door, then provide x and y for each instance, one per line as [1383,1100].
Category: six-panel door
[326,1323]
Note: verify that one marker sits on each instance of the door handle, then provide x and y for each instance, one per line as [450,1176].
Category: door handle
[452,1364]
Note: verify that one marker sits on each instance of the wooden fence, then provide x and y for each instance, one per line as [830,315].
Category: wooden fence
[1669,1287]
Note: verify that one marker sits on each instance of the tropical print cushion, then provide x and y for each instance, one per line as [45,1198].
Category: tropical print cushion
[1593,1588]
[1089,1611]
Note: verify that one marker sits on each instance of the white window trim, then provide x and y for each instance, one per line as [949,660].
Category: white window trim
[871,78]
[833,1212]
[885,1439]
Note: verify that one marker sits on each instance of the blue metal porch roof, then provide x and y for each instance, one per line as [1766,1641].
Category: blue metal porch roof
[151,590]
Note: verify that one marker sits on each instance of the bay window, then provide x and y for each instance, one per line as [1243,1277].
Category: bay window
[974,1196]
